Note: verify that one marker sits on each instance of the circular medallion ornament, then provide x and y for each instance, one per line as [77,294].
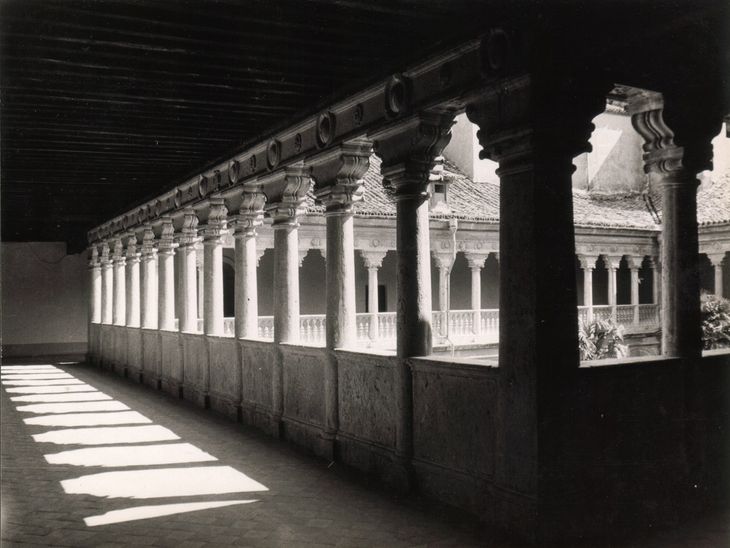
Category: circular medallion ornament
[298,142]
[397,96]
[234,171]
[203,186]
[358,114]
[252,164]
[325,129]
[273,153]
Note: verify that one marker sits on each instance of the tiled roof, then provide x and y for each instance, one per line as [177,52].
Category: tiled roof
[472,201]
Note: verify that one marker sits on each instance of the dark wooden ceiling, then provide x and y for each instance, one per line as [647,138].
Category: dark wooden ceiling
[104,103]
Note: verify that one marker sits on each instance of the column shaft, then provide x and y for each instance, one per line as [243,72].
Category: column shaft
[373,330]
[341,324]
[150,302]
[120,308]
[95,297]
[635,293]
[588,292]
[166,288]
[476,299]
[247,308]
[132,275]
[107,292]
[612,290]
[286,283]
[213,292]
[189,301]
[718,280]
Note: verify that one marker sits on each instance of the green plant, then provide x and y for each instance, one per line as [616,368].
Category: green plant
[601,339]
[715,321]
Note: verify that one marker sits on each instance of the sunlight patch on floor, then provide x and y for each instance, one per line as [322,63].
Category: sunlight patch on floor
[131,455]
[50,382]
[163,482]
[51,389]
[64,397]
[107,435]
[77,407]
[158,510]
[89,419]
[35,376]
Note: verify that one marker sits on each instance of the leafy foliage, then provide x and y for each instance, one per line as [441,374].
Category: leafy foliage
[715,322]
[601,339]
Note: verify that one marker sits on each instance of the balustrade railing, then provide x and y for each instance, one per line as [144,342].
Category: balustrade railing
[461,328]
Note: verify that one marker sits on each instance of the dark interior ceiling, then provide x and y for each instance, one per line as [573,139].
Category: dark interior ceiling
[105,103]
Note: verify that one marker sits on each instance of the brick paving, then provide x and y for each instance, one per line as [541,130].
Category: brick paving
[308,503]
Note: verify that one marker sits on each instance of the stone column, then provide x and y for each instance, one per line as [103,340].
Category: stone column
[676,171]
[635,265]
[444,262]
[94,286]
[250,216]
[149,311]
[373,261]
[337,174]
[476,263]
[200,278]
[107,286]
[588,264]
[656,278]
[166,278]
[533,129]
[120,309]
[213,232]
[189,301]
[408,149]
[133,296]
[612,264]
[294,182]
[716,260]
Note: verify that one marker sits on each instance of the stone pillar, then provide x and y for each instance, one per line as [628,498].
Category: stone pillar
[656,278]
[166,278]
[373,261]
[189,301]
[476,263]
[635,265]
[94,286]
[213,232]
[200,278]
[149,312]
[133,295]
[294,182]
[250,216]
[337,174]
[408,149]
[119,260]
[107,286]
[588,264]
[533,129]
[444,262]
[612,264]
[676,171]
[716,260]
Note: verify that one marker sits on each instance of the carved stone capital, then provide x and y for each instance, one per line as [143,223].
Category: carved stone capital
[105,258]
[634,262]
[476,260]
[408,149]
[250,214]
[372,259]
[291,186]
[217,222]
[94,257]
[167,242]
[612,261]
[587,262]
[132,255]
[118,252]
[338,175]
[444,260]
[716,258]
[148,243]
[189,232]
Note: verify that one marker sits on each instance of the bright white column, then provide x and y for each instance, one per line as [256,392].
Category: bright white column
[120,309]
[149,294]
[132,275]
[200,277]
[588,264]
[250,216]
[716,260]
[95,286]
[612,264]
[213,232]
[444,262]
[476,264]
[635,265]
[166,276]
[107,285]
[189,300]
[373,261]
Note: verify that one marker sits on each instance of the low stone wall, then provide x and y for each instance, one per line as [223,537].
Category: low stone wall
[224,374]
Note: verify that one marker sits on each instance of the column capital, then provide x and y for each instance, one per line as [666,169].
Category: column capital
[291,185]
[408,149]
[661,155]
[634,262]
[105,259]
[250,214]
[217,223]
[476,260]
[132,255]
[94,257]
[372,259]
[655,263]
[118,251]
[716,258]
[148,243]
[338,173]
[189,233]
[587,262]
[443,260]
[167,242]
[612,261]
